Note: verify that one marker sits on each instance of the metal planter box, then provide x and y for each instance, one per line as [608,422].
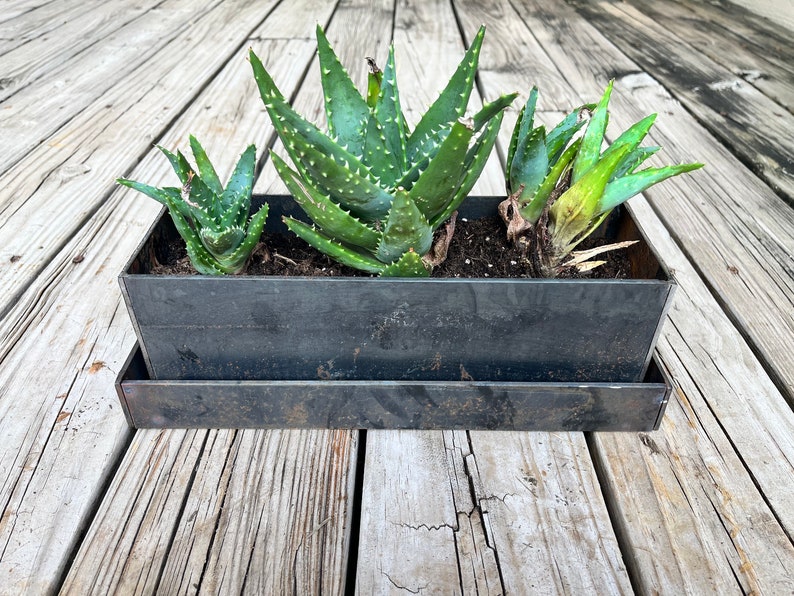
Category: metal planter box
[337,337]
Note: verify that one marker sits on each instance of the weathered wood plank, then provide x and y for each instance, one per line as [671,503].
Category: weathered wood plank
[775,11]
[731,408]
[751,242]
[446,516]
[420,529]
[41,109]
[85,156]
[47,49]
[47,415]
[223,512]
[705,504]
[728,106]
[17,8]
[750,47]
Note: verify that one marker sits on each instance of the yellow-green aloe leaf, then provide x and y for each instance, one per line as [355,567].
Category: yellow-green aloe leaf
[572,213]
[590,149]
[622,189]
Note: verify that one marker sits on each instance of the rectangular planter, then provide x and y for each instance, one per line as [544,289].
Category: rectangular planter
[397,330]
[528,406]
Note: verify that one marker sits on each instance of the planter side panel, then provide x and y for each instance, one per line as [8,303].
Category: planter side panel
[378,329]
[392,405]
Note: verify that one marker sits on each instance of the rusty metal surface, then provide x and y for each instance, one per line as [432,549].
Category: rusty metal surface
[391,404]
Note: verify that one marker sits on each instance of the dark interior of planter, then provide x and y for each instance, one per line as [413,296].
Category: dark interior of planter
[618,227]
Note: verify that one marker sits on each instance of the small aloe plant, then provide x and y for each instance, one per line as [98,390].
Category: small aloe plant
[212,220]
[376,191]
[562,188]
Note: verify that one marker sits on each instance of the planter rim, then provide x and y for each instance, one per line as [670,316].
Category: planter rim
[489,200]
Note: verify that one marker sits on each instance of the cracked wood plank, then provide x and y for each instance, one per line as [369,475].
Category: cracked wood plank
[62,352]
[429,522]
[421,531]
[728,460]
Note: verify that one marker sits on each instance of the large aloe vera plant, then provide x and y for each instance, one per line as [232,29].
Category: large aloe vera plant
[376,191]
[561,188]
[212,220]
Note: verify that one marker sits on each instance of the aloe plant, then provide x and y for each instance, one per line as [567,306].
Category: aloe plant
[561,188]
[212,220]
[375,190]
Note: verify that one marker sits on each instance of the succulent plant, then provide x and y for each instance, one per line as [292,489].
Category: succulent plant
[562,188]
[212,220]
[376,191]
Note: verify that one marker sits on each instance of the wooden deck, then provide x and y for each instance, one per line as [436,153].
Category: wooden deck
[705,505]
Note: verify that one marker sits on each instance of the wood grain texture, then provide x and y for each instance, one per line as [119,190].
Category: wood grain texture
[105,141]
[775,11]
[43,50]
[724,103]
[265,512]
[668,547]
[705,505]
[755,50]
[52,406]
[437,524]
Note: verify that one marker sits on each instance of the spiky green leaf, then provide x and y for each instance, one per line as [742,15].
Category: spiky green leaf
[473,164]
[633,160]
[559,137]
[593,138]
[532,209]
[573,212]
[347,112]
[333,249]
[205,167]
[437,185]
[530,164]
[334,174]
[199,256]
[221,242]
[236,198]
[408,265]
[451,103]
[389,113]
[405,229]
[622,189]
[335,222]
[236,261]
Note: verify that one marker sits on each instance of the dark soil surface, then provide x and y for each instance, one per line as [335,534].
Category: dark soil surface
[479,249]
